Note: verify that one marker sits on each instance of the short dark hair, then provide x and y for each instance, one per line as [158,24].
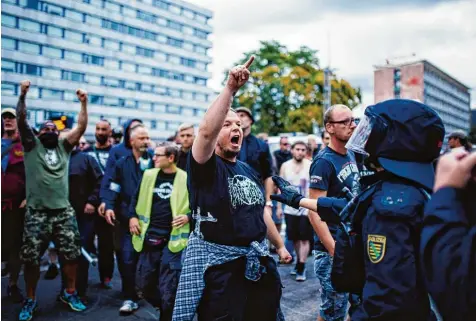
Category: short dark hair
[281,138]
[104,120]
[299,142]
[323,134]
[170,149]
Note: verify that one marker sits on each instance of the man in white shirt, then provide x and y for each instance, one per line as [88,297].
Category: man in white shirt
[298,227]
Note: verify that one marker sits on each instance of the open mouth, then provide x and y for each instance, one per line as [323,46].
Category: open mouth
[235,139]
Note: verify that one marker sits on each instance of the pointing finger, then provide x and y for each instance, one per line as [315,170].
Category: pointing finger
[249,62]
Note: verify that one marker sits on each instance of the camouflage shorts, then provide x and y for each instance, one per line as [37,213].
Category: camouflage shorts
[43,226]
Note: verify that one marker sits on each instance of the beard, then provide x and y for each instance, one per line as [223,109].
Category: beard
[101,139]
[298,160]
[49,140]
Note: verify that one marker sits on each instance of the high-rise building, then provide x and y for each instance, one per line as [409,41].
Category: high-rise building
[427,83]
[142,59]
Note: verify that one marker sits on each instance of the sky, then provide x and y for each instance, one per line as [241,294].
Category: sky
[352,36]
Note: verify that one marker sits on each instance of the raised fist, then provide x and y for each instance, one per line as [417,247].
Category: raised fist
[25,86]
[82,95]
[239,75]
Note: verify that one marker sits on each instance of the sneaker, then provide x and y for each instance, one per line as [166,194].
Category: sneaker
[73,301]
[293,271]
[14,293]
[107,283]
[29,307]
[128,307]
[301,276]
[52,272]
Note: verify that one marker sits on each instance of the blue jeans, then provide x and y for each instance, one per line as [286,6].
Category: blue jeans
[128,262]
[333,304]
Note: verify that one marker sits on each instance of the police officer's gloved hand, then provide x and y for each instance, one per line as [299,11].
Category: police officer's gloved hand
[289,194]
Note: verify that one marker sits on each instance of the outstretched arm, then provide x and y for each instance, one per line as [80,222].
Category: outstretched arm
[204,145]
[75,134]
[26,133]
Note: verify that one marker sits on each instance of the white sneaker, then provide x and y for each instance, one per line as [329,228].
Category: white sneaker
[301,277]
[128,307]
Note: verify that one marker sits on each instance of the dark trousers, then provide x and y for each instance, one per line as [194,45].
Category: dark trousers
[105,233]
[229,296]
[159,274]
[12,235]
[128,266]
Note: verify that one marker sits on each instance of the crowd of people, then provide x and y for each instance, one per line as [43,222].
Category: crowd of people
[187,220]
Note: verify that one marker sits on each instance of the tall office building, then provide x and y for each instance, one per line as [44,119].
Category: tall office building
[427,83]
[137,59]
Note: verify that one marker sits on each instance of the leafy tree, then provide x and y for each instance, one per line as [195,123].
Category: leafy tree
[286,89]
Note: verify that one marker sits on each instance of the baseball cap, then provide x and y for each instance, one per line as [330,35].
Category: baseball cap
[247,111]
[458,134]
[9,111]
[48,123]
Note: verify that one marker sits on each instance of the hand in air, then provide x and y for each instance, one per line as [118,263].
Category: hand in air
[239,75]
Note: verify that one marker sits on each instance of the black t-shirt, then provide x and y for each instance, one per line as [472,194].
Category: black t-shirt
[100,154]
[331,171]
[231,201]
[182,160]
[161,215]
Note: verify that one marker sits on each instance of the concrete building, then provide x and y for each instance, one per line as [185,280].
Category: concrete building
[144,59]
[427,83]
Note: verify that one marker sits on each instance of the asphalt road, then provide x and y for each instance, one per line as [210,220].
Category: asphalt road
[299,303]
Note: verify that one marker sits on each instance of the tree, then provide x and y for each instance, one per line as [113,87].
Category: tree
[285,91]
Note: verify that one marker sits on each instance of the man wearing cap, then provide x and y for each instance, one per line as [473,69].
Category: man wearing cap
[13,200]
[459,141]
[49,215]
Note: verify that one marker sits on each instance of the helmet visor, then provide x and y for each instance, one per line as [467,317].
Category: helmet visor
[361,135]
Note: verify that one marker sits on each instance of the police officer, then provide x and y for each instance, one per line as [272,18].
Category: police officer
[401,139]
[448,238]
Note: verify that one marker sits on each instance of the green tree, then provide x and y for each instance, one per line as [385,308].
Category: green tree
[286,88]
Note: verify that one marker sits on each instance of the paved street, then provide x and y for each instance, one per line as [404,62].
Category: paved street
[299,301]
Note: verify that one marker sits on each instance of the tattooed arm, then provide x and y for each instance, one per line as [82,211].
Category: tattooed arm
[26,133]
[74,135]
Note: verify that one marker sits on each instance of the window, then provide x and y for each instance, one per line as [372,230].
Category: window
[188,30]
[161,125]
[175,93]
[201,18]
[31,69]
[161,4]
[128,49]
[175,9]
[188,95]
[74,15]
[8,89]
[8,43]
[187,62]
[9,21]
[189,78]
[175,42]
[14,2]
[177,76]
[174,109]
[188,112]
[200,97]
[52,94]
[55,31]
[52,9]
[172,126]
[146,16]
[111,101]
[160,90]
[130,85]
[200,50]
[128,66]
[8,66]
[200,81]
[73,56]
[111,44]
[188,13]
[174,59]
[127,11]
[52,73]
[95,60]
[160,56]
[111,64]
[188,46]
[161,21]
[129,103]
[161,38]
[149,35]
[95,99]
[110,82]
[94,80]
[144,70]
[153,124]
[147,88]
[74,36]
[112,6]
[201,66]
[72,76]
[34,92]
[70,96]
[201,34]
[29,25]
[145,106]
[93,40]
[174,25]
[159,108]
[144,52]
[95,21]
[29,47]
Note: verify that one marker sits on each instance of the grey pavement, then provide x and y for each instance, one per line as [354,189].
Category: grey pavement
[299,303]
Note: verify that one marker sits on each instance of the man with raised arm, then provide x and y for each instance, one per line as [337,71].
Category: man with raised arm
[49,215]
[228,273]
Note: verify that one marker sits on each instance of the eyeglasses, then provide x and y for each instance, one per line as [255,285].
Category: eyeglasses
[285,144]
[345,122]
[158,155]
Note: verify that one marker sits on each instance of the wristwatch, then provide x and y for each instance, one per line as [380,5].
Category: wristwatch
[269,203]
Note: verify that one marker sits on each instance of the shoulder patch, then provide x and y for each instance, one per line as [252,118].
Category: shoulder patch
[376,245]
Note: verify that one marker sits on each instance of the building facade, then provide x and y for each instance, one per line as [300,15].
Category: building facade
[427,83]
[142,59]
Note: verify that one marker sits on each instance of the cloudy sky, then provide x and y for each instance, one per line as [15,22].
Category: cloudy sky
[350,35]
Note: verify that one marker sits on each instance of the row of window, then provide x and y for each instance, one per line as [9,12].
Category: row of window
[10,89]
[445,85]
[57,74]
[109,6]
[458,106]
[157,3]
[50,30]
[448,109]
